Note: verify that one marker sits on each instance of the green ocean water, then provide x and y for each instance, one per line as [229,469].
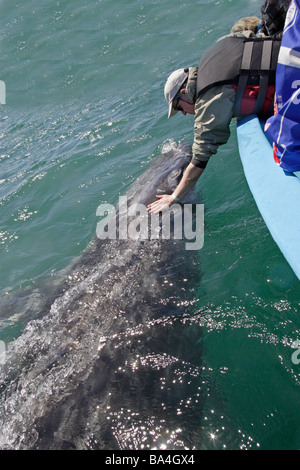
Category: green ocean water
[84,117]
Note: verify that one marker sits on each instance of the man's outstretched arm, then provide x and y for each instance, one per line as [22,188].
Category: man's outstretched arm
[189,178]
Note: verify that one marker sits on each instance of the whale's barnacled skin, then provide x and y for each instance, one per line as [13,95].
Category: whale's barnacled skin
[104,343]
[163,176]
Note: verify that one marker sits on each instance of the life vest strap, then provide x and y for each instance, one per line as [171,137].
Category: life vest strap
[247,57]
[263,72]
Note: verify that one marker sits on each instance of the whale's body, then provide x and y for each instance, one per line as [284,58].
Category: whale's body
[91,371]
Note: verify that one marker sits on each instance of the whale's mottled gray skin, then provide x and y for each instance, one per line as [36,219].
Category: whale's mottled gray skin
[90,371]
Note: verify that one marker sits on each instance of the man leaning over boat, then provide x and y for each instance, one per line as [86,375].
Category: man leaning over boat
[218,90]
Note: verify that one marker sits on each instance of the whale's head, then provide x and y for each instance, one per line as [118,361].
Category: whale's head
[164,175]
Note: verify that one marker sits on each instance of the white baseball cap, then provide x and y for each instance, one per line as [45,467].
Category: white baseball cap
[172,87]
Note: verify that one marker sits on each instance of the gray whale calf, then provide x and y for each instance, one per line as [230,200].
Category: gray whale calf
[109,362]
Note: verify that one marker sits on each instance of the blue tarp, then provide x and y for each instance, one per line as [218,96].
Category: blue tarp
[284,126]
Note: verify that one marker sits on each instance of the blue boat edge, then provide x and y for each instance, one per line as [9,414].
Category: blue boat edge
[277,194]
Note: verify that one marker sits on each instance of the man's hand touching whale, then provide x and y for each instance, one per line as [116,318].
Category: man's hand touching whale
[164,201]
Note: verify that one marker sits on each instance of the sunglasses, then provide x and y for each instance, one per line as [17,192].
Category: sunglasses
[175,102]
